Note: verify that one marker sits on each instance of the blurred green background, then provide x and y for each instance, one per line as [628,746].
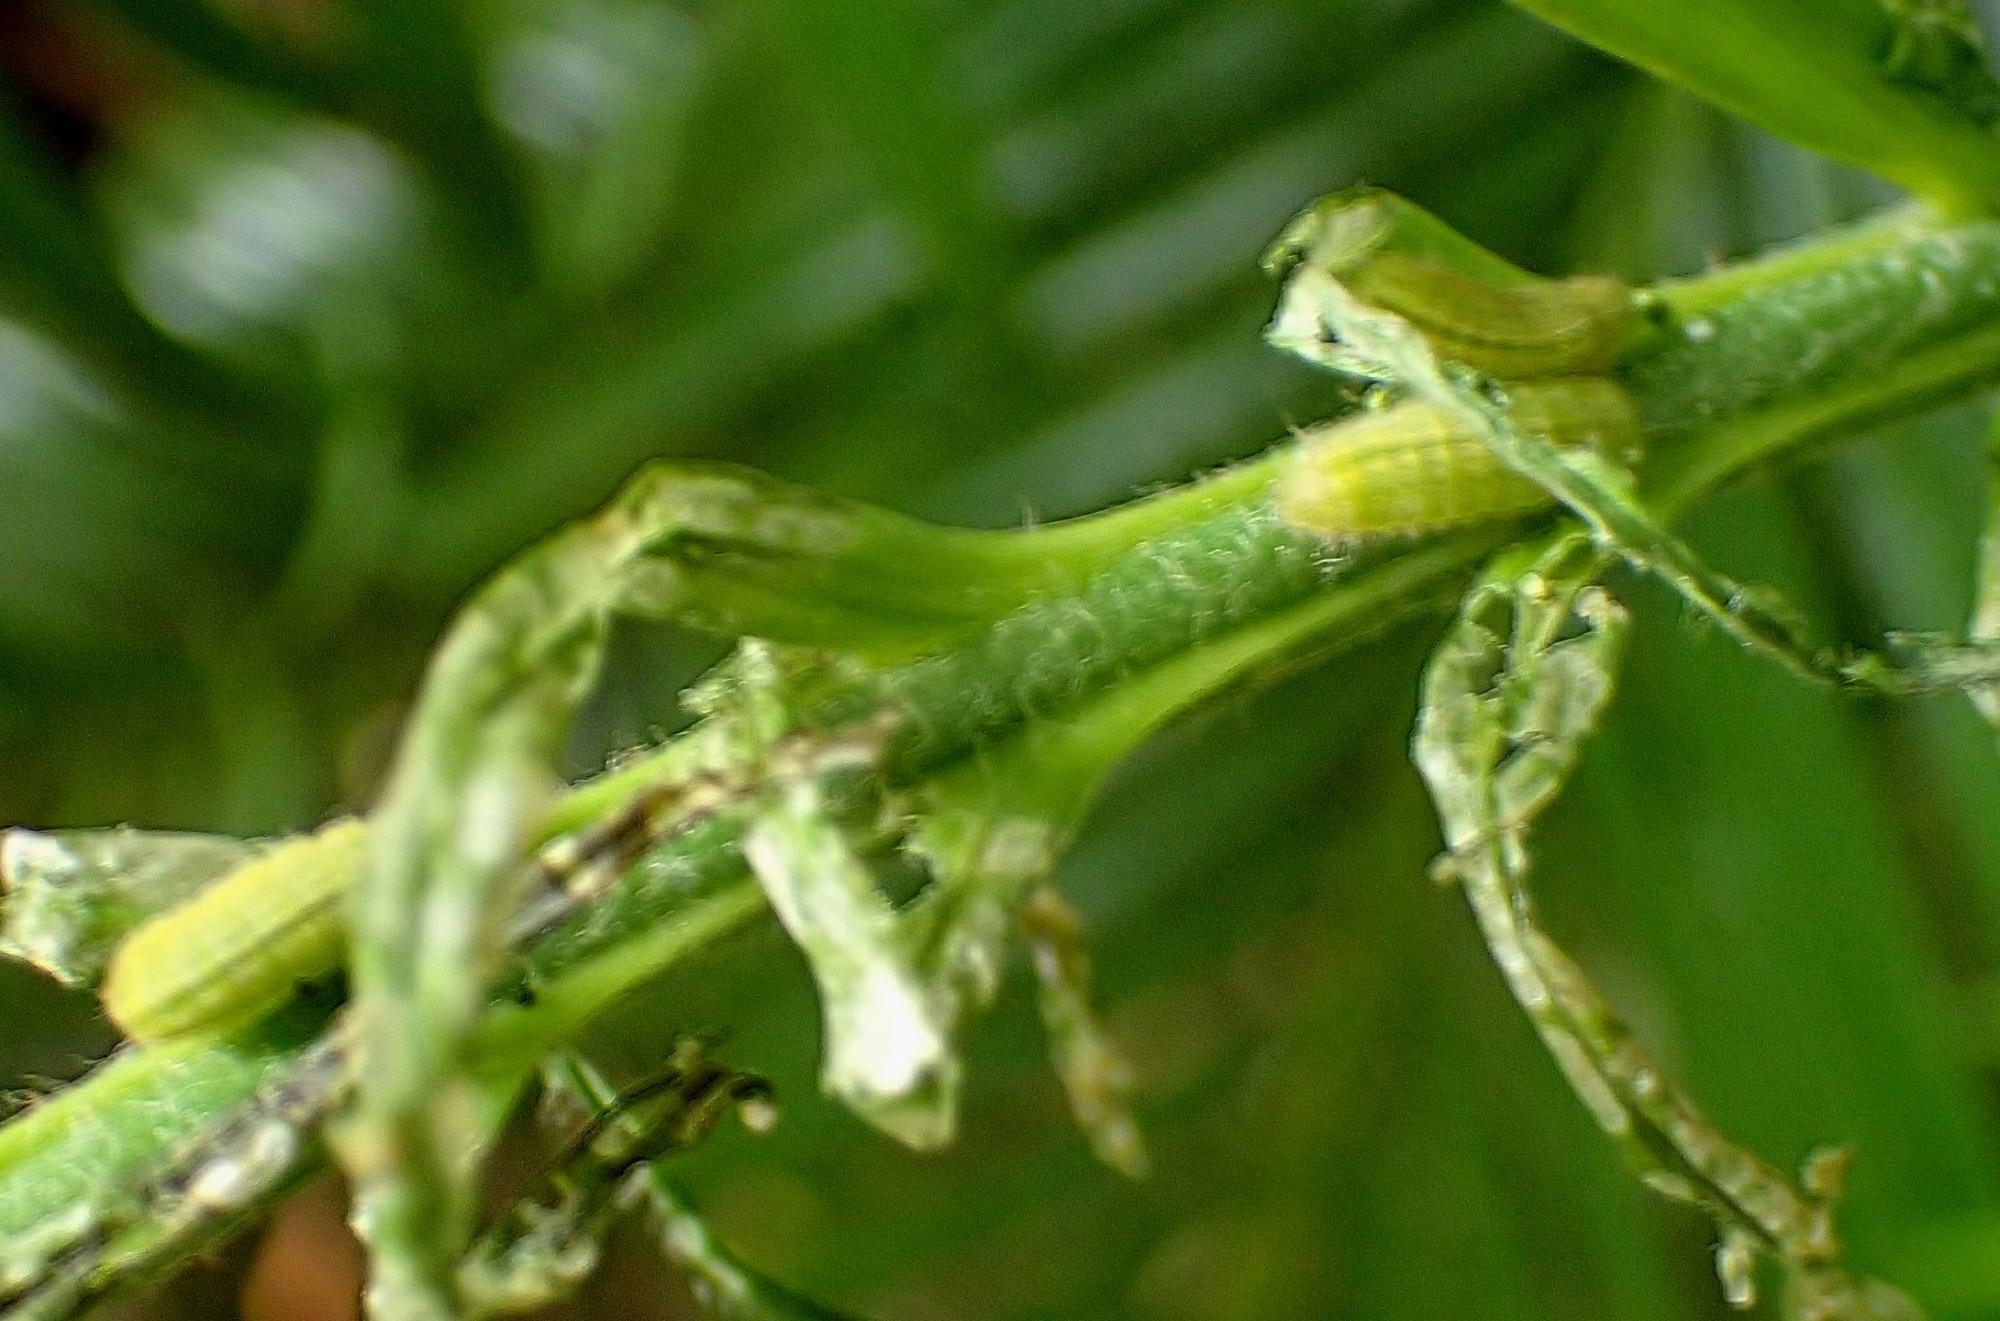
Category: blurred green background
[312,311]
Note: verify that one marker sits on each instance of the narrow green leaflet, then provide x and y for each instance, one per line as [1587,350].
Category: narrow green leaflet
[1509,697]
[471,783]
[990,834]
[72,895]
[1899,87]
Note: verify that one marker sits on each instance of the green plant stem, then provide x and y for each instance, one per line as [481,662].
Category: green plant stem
[1850,305]
[1209,579]
[1929,375]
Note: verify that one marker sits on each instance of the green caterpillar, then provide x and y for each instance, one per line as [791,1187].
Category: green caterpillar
[1474,307]
[1417,467]
[240,948]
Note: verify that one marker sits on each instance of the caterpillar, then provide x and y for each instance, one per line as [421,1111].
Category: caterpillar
[1418,467]
[241,947]
[244,945]
[1474,307]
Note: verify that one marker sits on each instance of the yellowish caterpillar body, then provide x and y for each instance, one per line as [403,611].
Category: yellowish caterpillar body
[1418,467]
[241,947]
[1475,308]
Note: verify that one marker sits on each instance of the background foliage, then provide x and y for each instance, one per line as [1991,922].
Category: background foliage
[312,313]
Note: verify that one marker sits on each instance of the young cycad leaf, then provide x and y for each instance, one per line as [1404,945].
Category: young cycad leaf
[53,1201]
[990,830]
[88,1224]
[1509,698]
[898,983]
